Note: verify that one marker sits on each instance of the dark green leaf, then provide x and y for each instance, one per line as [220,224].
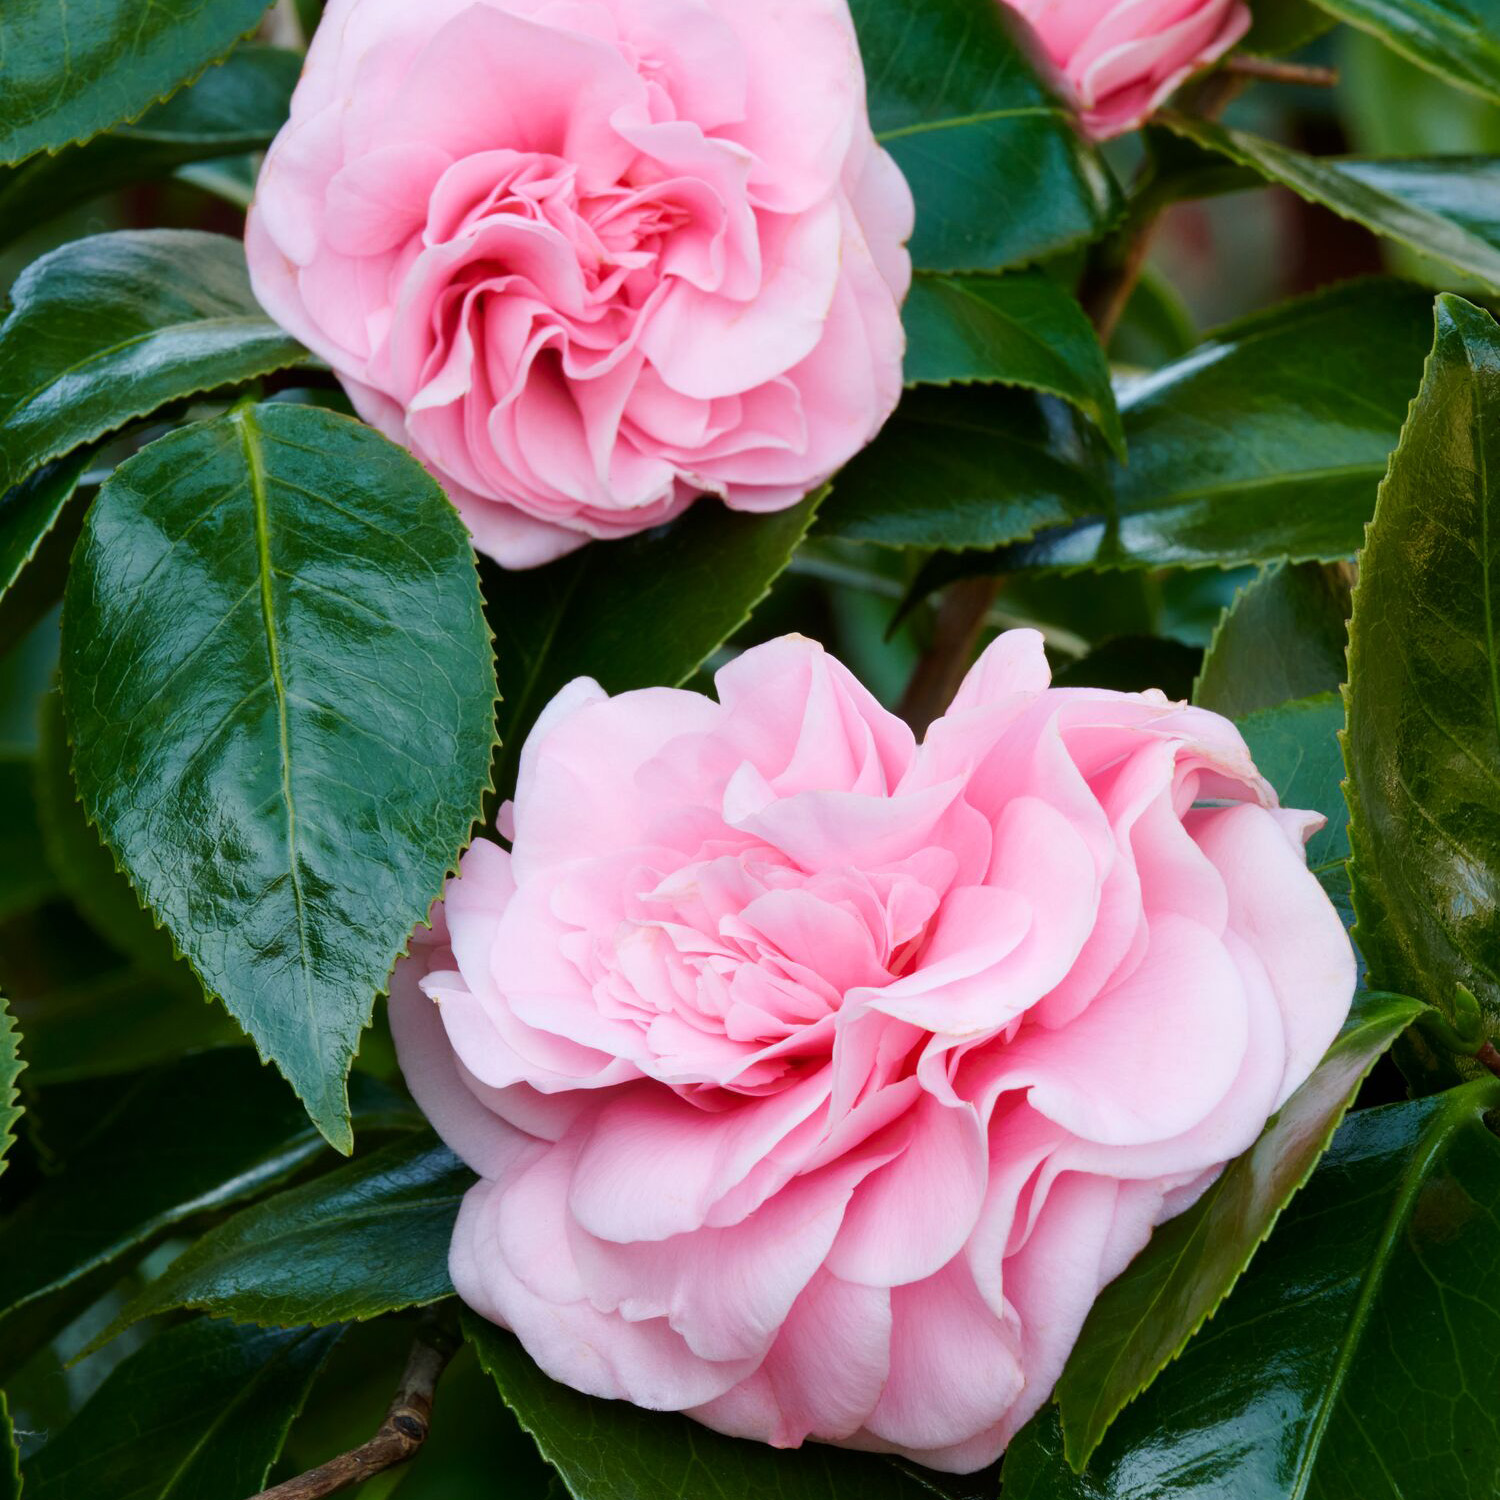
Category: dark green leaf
[1283,638]
[274,620]
[370,1238]
[28,512]
[965,468]
[114,327]
[180,1140]
[610,1450]
[1156,327]
[1424,693]
[86,870]
[1144,1317]
[1266,442]
[1459,40]
[637,613]
[200,1413]
[1357,1357]
[1133,663]
[1446,207]
[959,103]
[10,1070]
[235,107]
[66,74]
[10,1456]
[1280,26]
[1022,329]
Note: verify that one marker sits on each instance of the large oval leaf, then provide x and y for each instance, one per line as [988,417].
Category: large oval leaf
[958,103]
[1424,693]
[235,107]
[66,73]
[1459,40]
[114,327]
[200,1412]
[1356,1357]
[274,620]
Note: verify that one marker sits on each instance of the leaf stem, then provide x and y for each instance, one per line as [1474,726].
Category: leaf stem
[960,622]
[1304,75]
[401,1434]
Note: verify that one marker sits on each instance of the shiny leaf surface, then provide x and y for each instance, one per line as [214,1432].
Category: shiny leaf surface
[1144,1317]
[1357,1356]
[1283,638]
[959,103]
[644,612]
[10,1070]
[275,619]
[1445,207]
[1021,329]
[1459,40]
[206,1406]
[28,512]
[111,328]
[369,1238]
[1424,693]
[66,74]
[235,107]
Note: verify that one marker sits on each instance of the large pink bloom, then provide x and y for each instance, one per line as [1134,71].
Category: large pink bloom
[591,259]
[818,1081]
[1122,58]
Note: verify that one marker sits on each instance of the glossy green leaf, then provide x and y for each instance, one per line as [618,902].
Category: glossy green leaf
[1283,638]
[959,103]
[610,1450]
[85,869]
[10,1456]
[1267,442]
[10,1070]
[1459,40]
[1144,1317]
[1156,327]
[644,612]
[1023,329]
[369,1238]
[114,327]
[1279,26]
[233,108]
[965,468]
[66,74]
[28,512]
[1446,207]
[1357,1357]
[200,1413]
[274,619]
[1424,693]
[1296,746]
[155,1149]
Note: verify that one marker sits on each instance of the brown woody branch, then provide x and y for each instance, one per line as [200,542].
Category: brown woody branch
[401,1435]
[1303,75]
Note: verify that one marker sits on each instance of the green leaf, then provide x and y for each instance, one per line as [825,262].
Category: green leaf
[86,870]
[1459,40]
[1445,207]
[932,479]
[66,74]
[28,512]
[1282,638]
[200,1413]
[610,1450]
[1357,1356]
[1144,1317]
[1156,327]
[274,620]
[643,612]
[1267,442]
[369,1238]
[1022,329]
[1280,26]
[959,103]
[1424,694]
[233,108]
[1296,747]
[10,1070]
[1133,663]
[115,327]
[10,1456]
[169,1144]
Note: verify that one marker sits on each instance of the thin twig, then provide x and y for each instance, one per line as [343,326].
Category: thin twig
[1303,75]
[960,622]
[1490,1057]
[403,1432]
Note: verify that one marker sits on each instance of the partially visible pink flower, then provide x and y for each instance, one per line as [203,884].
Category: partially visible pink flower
[1122,58]
[592,259]
[817,1081]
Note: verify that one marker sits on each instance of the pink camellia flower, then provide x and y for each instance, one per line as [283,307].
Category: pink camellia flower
[818,1081]
[592,259]
[1122,58]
